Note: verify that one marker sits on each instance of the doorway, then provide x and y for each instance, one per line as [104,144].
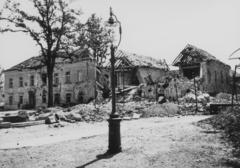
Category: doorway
[80,97]
[189,71]
[32,100]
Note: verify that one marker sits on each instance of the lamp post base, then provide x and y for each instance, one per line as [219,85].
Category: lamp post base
[114,140]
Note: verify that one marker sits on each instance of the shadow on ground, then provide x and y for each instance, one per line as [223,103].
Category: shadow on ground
[98,157]
[210,131]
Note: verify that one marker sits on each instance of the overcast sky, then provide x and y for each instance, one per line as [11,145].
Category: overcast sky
[156,28]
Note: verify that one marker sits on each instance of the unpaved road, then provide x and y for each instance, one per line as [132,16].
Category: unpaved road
[154,142]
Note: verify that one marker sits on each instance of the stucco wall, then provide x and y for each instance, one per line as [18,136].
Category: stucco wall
[1,85]
[2,94]
[1,97]
[182,87]
[140,73]
[126,77]
[86,85]
[216,77]
[143,72]
[149,91]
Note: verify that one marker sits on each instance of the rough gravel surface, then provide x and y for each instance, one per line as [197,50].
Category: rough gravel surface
[153,142]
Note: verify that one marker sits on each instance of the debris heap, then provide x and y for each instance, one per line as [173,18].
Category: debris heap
[190,101]
[229,121]
[160,110]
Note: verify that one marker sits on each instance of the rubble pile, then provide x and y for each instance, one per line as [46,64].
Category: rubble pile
[129,108]
[87,113]
[225,98]
[229,121]
[129,102]
[187,103]
[131,95]
[81,112]
[160,110]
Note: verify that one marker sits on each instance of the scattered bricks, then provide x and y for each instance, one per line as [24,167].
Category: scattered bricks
[73,116]
[5,125]
[42,116]
[160,110]
[50,120]
[161,100]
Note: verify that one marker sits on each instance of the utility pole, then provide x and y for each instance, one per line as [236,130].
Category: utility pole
[194,80]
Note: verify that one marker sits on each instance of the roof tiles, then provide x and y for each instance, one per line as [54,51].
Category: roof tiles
[136,60]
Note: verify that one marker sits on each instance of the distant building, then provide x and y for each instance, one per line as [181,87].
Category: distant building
[26,83]
[1,88]
[214,74]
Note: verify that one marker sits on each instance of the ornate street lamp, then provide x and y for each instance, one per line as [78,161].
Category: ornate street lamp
[114,120]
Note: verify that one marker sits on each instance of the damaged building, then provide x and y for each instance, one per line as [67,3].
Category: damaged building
[132,69]
[73,81]
[214,75]
[1,88]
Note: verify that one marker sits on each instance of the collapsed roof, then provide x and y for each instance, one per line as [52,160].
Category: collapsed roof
[37,62]
[127,59]
[192,55]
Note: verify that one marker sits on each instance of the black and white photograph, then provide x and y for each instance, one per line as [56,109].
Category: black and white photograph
[119,84]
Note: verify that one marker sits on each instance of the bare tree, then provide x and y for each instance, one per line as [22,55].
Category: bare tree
[53,28]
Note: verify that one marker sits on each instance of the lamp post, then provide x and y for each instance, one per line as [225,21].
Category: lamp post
[175,80]
[234,83]
[234,76]
[114,140]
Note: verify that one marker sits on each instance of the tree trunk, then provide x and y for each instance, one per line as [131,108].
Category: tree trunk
[50,86]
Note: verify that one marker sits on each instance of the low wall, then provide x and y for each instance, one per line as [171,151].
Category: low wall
[149,91]
[172,93]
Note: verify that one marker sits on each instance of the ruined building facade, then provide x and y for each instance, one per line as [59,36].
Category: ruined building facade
[1,88]
[214,75]
[133,69]
[26,83]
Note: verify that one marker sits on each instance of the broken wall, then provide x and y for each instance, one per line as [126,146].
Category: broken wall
[172,93]
[1,85]
[143,72]
[149,91]
[215,77]
[81,80]
[125,78]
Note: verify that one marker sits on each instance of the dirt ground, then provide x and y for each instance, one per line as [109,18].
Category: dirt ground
[154,142]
